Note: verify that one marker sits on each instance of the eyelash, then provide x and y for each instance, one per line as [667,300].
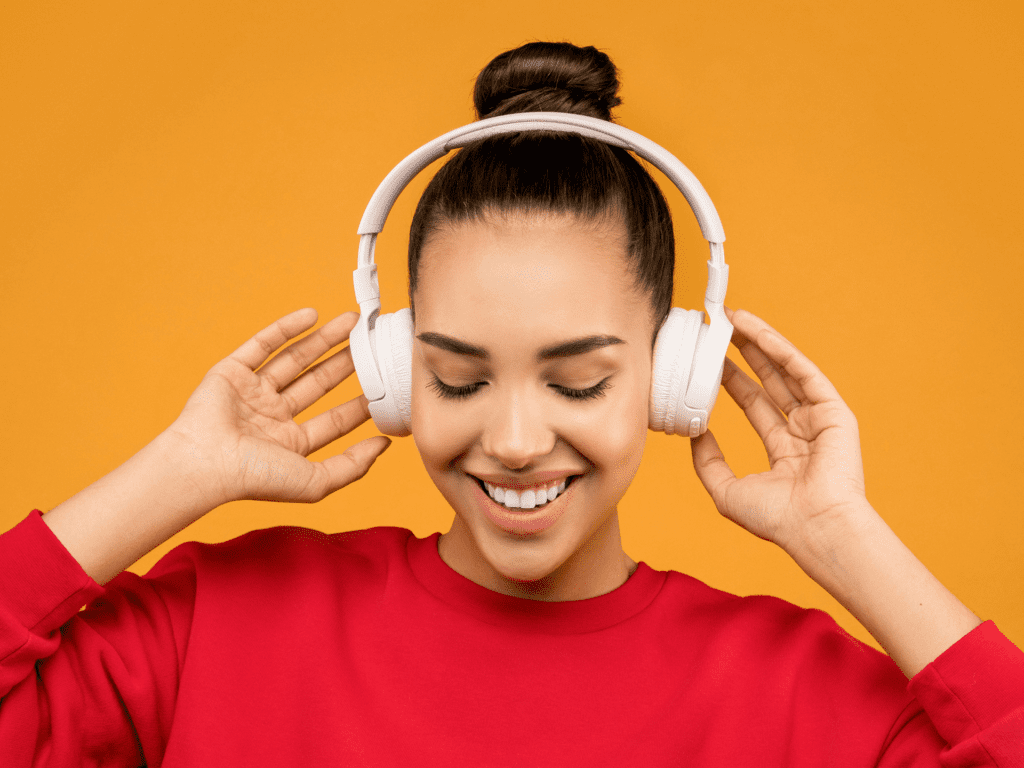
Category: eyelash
[461,393]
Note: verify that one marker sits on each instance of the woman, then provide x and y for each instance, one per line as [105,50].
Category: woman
[540,272]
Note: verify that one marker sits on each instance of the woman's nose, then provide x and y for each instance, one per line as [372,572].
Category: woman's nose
[516,433]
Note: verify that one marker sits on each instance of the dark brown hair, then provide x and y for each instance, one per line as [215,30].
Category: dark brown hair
[561,173]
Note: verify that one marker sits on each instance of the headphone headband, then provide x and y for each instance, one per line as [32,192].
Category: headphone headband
[558,122]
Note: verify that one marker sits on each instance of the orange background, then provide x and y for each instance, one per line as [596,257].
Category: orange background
[176,176]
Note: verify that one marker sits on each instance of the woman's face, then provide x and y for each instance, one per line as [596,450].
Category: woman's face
[532,368]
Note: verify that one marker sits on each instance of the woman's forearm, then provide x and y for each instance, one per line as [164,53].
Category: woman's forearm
[865,566]
[126,514]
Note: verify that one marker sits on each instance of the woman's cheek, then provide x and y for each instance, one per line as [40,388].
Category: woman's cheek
[427,422]
[625,432]
[444,430]
[615,434]
[440,432]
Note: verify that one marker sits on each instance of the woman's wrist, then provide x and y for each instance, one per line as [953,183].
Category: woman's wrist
[859,560]
[195,468]
[132,510]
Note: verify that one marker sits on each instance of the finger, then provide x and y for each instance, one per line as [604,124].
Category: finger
[318,381]
[783,388]
[355,462]
[761,412]
[292,361]
[713,471]
[771,377]
[257,349]
[814,385]
[328,426]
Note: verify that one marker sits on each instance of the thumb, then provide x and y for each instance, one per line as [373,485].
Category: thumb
[710,465]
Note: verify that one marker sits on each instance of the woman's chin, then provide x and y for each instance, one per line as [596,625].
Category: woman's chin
[526,574]
[526,564]
[545,554]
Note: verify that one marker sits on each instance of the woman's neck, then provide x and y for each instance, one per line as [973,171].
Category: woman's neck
[598,566]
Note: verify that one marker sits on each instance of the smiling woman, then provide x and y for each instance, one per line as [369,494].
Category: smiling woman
[541,284]
[547,382]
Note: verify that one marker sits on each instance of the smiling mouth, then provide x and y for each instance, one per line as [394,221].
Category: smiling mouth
[525,501]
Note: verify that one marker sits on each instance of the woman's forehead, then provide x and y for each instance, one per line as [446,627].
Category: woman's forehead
[547,277]
[526,252]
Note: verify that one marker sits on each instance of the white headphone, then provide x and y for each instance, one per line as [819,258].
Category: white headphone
[688,355]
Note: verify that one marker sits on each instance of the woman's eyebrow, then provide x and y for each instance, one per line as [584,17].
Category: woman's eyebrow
[577,347]
[563,349]
[441,341]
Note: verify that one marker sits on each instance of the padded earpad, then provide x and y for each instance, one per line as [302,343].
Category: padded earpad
[674,352]
[392,343]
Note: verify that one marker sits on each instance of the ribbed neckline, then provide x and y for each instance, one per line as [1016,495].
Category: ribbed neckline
[567,617]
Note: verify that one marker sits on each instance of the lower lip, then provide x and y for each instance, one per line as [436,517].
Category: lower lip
[528,520]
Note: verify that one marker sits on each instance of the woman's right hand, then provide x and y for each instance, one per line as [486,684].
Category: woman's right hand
[237,431]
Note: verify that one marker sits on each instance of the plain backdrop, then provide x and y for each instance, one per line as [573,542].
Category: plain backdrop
[176,176]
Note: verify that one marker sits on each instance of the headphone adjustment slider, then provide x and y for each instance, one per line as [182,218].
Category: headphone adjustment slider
[366,285]
[718,280]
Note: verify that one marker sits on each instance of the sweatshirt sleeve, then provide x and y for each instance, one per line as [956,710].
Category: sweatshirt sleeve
[90,687]
[972,696]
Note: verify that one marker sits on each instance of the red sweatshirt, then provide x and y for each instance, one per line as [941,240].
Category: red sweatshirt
[288,646]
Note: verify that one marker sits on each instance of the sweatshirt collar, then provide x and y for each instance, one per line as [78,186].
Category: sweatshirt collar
[566,617]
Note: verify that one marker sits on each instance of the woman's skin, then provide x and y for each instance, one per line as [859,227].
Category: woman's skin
[513,286]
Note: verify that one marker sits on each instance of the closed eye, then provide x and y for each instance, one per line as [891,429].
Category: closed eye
[583,394]
[449,392]
[454,393]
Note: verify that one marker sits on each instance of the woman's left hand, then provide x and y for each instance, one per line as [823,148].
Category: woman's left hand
[810,434]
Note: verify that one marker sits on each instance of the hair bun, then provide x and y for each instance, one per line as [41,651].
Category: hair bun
[548,77]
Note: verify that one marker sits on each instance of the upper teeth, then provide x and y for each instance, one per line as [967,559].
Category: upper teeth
[527,499]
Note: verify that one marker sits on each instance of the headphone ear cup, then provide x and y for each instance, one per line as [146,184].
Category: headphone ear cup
[674,351]
[392,342]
